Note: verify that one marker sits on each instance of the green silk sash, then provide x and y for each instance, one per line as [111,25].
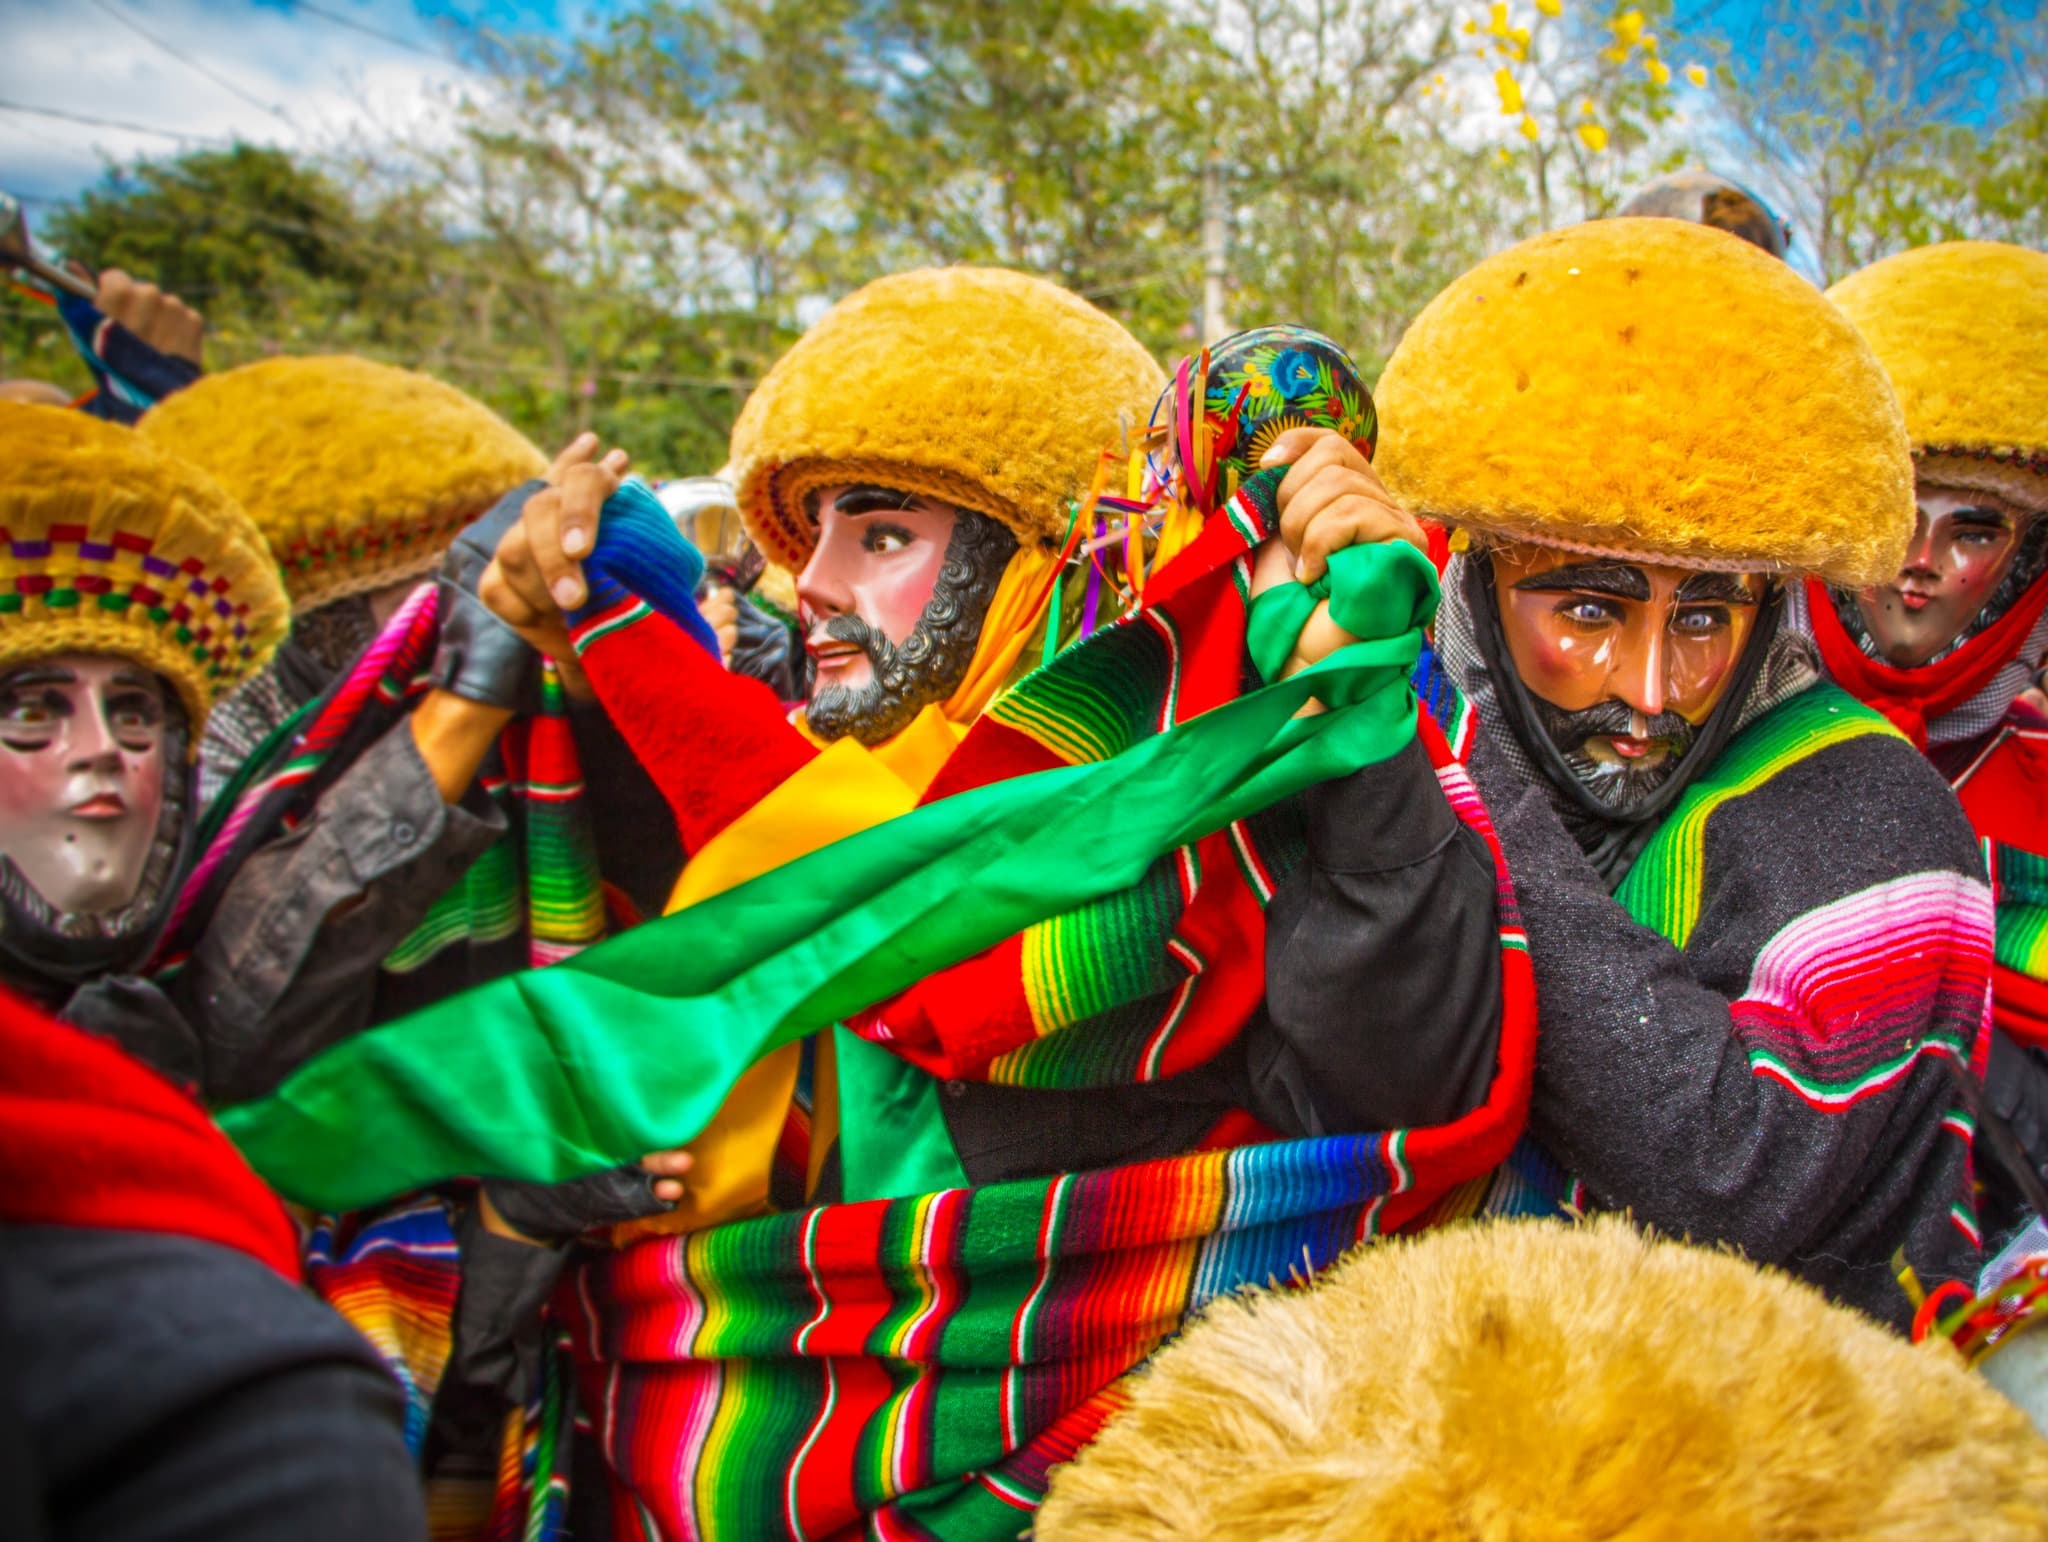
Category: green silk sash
[631,1046]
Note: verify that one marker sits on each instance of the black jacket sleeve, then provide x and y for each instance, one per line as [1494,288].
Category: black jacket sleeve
[1382,963]
[289,963]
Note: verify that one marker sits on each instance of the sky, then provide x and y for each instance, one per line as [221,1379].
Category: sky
[84,83]
[158,76]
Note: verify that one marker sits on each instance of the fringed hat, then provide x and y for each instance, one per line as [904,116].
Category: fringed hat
[114,546]
[359,474]
[1962,329]
[1530,1379]
[979,387]
[1651,389]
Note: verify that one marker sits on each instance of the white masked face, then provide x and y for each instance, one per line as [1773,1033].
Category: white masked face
[81,777]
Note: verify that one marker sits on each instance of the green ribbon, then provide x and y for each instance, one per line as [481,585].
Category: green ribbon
[631,1046]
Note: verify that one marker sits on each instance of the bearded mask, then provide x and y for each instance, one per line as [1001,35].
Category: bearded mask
[92,812]
[850,573]
[1557,677]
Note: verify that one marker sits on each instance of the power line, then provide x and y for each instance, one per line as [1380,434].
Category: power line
[368,31]
[186,59]
[112,123]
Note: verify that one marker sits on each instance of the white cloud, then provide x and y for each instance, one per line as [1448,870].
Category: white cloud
[300,81]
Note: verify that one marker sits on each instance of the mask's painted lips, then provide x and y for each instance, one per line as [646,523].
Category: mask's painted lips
[104,805]
[1914,599]
[1628,748]
[830,653]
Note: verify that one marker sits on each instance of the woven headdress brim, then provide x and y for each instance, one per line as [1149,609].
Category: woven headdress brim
[112,545]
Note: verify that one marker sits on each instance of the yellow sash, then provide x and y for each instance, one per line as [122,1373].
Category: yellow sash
[846,788]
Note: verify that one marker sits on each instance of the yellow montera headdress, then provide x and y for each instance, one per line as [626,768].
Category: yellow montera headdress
[114,546]
[1653,389]
[979,387]
[1962,329]
[359,474]
[1529,1379]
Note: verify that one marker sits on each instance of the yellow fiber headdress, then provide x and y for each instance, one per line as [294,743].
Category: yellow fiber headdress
[1521,1379]
[110,545]
[1653,389]
[359,474]
[979,387]
[1962,329]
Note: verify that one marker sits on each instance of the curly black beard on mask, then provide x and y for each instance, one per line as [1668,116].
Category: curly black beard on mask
[1623,788]
[934,657]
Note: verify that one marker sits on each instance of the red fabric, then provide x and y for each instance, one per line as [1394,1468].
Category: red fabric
[1439,540]
[2005,795]
[90,1137]
[1913,698]
[716,743]
[2019,1005]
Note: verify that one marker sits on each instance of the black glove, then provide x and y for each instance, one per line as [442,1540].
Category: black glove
[480,658]
[554,1212]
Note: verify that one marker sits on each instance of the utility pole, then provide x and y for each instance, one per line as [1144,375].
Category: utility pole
[1214,231]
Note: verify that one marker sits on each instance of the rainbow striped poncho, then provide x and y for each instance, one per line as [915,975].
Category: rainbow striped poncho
[916,1366]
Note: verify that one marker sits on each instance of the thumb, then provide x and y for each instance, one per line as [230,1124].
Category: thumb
[1288,448]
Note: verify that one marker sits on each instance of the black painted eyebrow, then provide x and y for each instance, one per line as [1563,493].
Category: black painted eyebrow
[873,500]
[1615,578]
[1721,588]
[37,674]
[1980,514]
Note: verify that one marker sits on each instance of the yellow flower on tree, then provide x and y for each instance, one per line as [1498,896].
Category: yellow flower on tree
[1530,130]
[1628,28]
[1586,108]
[1697,74]
[1510,92]
[1593,137]
[1659,72]
[1550,7]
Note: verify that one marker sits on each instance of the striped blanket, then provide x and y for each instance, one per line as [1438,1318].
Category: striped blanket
[917,1366]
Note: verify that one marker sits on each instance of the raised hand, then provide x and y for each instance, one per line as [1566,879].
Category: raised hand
[536,577]
[1331,498]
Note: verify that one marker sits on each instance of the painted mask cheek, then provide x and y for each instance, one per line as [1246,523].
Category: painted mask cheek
[1702,661]
[894,593]
[1562,660]
[1699,668]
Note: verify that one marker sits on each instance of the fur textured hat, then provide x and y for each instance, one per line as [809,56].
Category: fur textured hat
[1654,389]
[979,387]
[1524,1379]
[113,546]
[1960,328]
[359,474]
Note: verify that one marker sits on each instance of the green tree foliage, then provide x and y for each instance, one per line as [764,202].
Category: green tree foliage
[1884,124]
[622,231]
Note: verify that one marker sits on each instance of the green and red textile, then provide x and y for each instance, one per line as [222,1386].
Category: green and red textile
[629,1046]
[919,1364]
